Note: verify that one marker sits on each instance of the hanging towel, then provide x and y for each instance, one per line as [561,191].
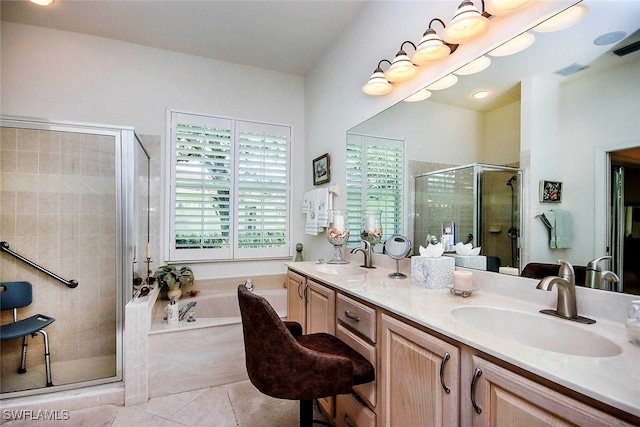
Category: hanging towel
[559,223]
[309,206]
[322,206]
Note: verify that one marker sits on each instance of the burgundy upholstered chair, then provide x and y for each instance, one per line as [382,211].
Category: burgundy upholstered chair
[283,363]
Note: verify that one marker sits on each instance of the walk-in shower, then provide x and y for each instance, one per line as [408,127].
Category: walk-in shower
[68,205]
[476,201]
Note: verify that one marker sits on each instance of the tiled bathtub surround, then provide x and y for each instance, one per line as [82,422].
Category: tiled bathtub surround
[57,208]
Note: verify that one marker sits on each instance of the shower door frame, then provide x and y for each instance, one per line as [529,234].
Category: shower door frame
[125,140]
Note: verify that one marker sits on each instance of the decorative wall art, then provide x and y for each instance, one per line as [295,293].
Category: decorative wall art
[321,169]
[550,191]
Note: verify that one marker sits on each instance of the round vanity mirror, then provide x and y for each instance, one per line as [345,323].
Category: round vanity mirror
[397,247]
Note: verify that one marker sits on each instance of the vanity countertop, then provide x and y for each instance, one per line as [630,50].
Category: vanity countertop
[613,380]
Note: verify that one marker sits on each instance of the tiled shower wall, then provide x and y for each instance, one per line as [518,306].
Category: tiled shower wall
[57,208]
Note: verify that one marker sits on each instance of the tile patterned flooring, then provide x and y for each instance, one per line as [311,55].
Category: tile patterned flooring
[232,405]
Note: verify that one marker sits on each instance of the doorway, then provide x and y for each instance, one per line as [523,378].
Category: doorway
[625,217]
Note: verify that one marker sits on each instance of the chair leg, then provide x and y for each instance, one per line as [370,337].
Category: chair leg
[306,415]
[23,363]
[47,359]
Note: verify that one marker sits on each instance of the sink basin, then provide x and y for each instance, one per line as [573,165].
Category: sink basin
[340,270]
[537,330]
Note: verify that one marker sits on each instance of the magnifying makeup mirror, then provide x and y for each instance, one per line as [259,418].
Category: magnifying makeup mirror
[397,247]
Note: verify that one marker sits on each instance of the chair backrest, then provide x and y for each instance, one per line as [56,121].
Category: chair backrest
[15,295]
[267,342]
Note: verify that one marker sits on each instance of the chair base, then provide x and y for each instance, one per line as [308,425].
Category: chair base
[306,415]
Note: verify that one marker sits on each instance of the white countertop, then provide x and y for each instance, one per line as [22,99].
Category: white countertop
[612,380]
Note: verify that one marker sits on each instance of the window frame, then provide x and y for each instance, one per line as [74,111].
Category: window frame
[233,252]
[365,141]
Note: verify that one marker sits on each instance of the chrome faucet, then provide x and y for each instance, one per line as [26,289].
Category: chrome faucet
[367,251]
[184,310]
[566,285]
[597,278]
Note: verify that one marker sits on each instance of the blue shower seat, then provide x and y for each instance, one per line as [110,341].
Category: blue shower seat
[14,295]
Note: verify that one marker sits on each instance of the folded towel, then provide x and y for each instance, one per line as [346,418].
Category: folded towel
[559,223]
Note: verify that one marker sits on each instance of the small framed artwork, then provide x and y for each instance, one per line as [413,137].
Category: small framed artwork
[550,191]
[321,169]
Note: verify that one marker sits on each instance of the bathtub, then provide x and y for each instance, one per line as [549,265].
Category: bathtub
[204,353]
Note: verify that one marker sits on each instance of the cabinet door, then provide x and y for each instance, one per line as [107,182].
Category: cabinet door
[504,398]
[416,370]
[321,317]
[321,309]
[296,302]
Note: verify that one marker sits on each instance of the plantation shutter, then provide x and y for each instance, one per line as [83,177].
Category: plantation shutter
[263,152]
[229,189]
[375,179]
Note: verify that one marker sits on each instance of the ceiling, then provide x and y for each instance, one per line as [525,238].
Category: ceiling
[285,36]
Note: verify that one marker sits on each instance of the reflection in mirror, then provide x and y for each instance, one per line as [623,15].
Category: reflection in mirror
[547,109]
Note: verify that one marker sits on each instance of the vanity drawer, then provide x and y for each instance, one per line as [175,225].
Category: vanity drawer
[357,316]
[351,413]
[366,391]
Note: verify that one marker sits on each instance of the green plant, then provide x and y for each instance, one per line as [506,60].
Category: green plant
[169,276]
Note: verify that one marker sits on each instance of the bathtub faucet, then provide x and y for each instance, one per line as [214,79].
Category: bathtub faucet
[184,310]
[249,285]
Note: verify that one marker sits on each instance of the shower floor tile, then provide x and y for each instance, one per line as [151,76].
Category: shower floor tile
[66,372]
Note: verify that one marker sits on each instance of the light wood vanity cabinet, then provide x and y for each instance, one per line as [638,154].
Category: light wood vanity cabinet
[321,308]
[419,377]
[296,299]
[503,398]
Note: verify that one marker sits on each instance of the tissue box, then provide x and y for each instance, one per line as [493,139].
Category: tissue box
[477,262]
[432,273]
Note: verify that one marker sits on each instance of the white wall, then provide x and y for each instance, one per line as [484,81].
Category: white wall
[433,132]
[573,121]
[334,102]
[67,76]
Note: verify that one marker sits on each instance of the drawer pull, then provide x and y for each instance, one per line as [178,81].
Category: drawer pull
[351,316]
[476,374]
[348,422]
[445,359]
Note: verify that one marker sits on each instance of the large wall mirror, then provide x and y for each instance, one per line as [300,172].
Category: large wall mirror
[564,110]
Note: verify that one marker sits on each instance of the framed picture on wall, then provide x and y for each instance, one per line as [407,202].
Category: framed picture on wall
[321,169]
[550,191]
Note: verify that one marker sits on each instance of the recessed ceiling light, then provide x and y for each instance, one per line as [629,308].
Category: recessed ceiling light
[444,83]
[43,2]
[515,45]
[474,66]
[481,94]
[564,19]
[609,38]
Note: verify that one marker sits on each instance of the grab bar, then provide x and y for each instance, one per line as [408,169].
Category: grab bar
[4,246]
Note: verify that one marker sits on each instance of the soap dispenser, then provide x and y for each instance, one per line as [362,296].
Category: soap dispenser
[172,312]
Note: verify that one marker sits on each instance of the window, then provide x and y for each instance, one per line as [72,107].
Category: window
[375,180]
[229,189]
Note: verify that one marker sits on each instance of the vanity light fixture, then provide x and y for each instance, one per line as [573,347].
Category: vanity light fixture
[467,23]
[401,68]
[431,47]
[378,84]
[503,7]
[481,94]
[444,83]
[515,45]
[420,95]
[564,19]
[475,66]
[43,2]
